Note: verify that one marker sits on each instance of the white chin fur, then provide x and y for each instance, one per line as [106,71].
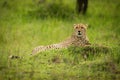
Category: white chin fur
[79,35]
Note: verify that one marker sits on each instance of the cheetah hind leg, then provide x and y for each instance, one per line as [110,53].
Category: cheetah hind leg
[37,50]
[44,48]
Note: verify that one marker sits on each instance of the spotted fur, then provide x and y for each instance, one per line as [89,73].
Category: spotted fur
[78,38]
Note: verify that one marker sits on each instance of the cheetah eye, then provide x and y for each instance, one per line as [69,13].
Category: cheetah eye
[76,27]
[82,27]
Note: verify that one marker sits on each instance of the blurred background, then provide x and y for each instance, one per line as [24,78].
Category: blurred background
[25,24]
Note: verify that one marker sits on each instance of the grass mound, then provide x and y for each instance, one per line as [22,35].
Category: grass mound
[89,50]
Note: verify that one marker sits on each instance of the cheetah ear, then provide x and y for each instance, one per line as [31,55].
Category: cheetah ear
[74,26]
[86,25]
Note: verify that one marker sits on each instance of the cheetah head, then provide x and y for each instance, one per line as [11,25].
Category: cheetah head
[80,30]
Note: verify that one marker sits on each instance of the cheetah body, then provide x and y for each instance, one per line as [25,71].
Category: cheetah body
[79,38]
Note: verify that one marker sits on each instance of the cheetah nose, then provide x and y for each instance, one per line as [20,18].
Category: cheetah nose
[79,32]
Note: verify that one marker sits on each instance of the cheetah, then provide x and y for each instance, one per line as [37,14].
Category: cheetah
[78,38]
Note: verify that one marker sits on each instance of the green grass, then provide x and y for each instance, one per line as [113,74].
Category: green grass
[27,24]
